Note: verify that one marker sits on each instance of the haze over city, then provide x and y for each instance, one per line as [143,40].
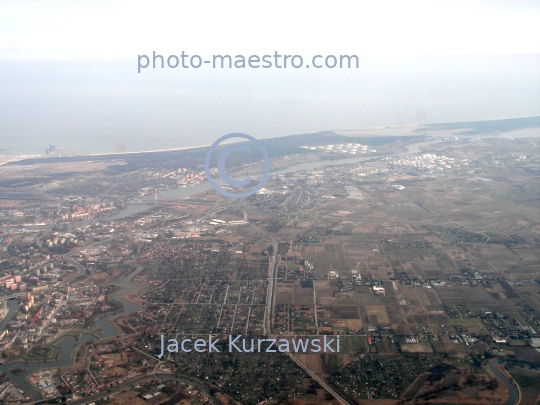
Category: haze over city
[70,79]
[270,203]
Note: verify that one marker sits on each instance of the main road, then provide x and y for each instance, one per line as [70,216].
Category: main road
[269,316]
[319,380]
[272,275]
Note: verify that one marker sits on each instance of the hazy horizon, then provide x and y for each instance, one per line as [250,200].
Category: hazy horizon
[68,71]
[100,106]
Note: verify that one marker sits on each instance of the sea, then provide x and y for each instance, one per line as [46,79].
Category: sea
[104,106]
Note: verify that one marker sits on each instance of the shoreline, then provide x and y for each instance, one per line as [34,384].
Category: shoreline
[17,158]
[378,131]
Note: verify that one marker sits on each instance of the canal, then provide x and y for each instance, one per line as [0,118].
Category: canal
[67,346]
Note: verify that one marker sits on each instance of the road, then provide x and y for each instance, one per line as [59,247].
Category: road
[320,380]
[270,293]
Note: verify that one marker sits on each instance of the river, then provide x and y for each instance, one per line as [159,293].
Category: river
[134,207]
[67,346]
[512,392]
[179,193]
[10,314]
[143,204]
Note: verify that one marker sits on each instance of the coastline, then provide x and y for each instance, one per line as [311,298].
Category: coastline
[460,128]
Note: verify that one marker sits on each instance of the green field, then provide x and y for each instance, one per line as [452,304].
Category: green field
[529,384]
[473,325]
[352,344]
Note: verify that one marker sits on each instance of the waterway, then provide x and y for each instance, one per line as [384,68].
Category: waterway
[179,193]
[143,204]
[512,392]
[67,346]
[10,314]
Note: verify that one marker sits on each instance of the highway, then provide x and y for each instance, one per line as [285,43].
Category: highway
[319,380]
[272,275]
[269,316]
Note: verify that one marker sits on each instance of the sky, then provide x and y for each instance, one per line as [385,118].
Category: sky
[68,69]
[119,29]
